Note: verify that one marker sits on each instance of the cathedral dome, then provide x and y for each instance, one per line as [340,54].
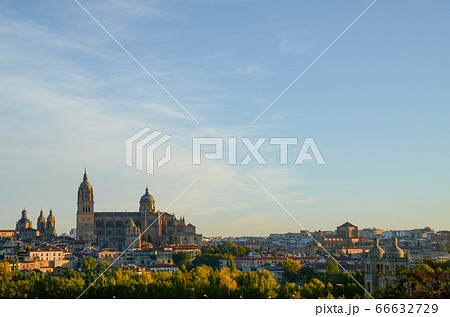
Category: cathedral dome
[24,218]
[147,196]
[376,252]
[23,222]
[395,252]
[85,192]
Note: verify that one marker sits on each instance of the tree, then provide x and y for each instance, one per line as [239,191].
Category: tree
[307,273]
[430,279]
[211,260]
[259,284]
[291,270]
[181,259]
[88,264]
[231,265]
[102,266]
[332,267]
[314,289]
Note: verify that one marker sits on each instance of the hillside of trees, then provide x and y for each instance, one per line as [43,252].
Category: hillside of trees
[198,282]
[201,278]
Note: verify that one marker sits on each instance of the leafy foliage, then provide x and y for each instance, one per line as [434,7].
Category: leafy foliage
[291,270]
[430,279]
[211,255]
[206,282]
[181,259]
[332,267]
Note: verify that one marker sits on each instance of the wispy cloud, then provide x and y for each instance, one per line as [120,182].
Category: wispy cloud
[296,43]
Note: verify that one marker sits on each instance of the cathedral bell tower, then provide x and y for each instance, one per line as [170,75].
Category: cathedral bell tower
[41,223]
[50,226]
[85,211]
[148,217]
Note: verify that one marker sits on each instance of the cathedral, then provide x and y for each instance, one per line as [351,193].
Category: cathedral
[118,230]
[45,229]
[380,265]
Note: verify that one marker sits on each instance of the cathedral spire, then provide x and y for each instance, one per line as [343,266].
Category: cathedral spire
[85,175]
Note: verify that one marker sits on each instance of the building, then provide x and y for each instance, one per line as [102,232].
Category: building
[119,230]
[347,230]
[193,250]
[380,263]
[7,233]
[159,267]
[370,233]
[24,229]
[47,254]
[45,230]
[343,240]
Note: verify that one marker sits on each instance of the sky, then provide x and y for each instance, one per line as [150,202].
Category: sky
[376,103]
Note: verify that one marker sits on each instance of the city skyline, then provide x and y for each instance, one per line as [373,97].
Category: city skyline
[131,211]
[375,103]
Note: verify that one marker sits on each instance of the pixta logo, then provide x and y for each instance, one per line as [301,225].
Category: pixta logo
[307,150]
[141,147]
[144,140]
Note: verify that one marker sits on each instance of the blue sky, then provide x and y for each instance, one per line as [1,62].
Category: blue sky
[376,104]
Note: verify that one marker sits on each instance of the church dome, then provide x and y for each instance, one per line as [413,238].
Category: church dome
[147,196]
[24,218]
[376,252]
[85,192]
[23,222]
[395,251]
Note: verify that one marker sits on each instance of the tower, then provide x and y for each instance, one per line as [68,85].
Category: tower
[41,223]
[50,230]
[374,266]
[149,217]
[85,211]
[380,265]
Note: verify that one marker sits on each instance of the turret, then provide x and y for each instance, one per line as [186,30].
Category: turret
[50,226]
[41,223]
[85,210]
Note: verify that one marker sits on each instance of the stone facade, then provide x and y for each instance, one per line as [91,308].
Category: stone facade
[118,230]
[380,263]
[45,230]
